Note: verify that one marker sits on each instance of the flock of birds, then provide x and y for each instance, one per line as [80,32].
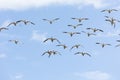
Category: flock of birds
[111,20]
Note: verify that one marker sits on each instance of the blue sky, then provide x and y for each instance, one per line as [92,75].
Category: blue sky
[24,61]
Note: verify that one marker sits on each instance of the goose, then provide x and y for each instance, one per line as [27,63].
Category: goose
[109,10]
[25,22]
[52,39]
[75,26]
[72,33]
[76,46]
[12,23]
[83,53]
[95,29]
[50,52]
[112,21]
[80,19]
[103,44]
[15,41]
[51,21]
[3,28]
[63,45]
[89,34]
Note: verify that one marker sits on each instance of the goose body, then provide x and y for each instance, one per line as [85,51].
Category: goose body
[103,44]
[51,52]
[76,46]
[52,39]
[109,10]
[75,26]
[72,33]
[80,19]
[83,53]
[25,22]
[94,29]
[51,21]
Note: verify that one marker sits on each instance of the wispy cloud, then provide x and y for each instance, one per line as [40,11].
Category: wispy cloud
[2,55]
[26,4]
[37,36]
[110,34]
[17,76]
[94,75]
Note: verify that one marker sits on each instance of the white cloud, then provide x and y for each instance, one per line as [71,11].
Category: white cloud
[94,75]
[17,76]
[25,4]
[2,55]
[38,37]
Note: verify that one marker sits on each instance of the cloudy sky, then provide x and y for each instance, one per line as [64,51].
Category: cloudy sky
[24,61]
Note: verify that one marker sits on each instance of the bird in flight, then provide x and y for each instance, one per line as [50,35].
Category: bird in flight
[80,19]
[52,39]
[76,46]
[109,10]
[75,26]
[103,44]
[63,45]
[51,52]
[88,34]
[12,23]
[3,28]
[25,22]
[15,41]
[112,20]
[83,53]
[72,33]
[95,29]
[51,21]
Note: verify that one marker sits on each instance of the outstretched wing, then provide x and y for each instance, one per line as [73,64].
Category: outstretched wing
[100,30]
[98,43]
[88,54]
[117,45]
[31,22]
[114,9]
[44,53]
[11,24]
[55,19]
[77,33]
[108,44]
[104,10]
[84,18]
[74,18]
[46,20]
[3,28]
[118,40]
[46,39]
[77,53]
[57,40]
